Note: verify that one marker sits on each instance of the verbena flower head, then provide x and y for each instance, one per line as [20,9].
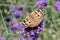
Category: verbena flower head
[14,26]
[57,5]
[31,31]
[21,28]
[30,38]
[41,3]
[2,38]
[22,39]
[11,8]
[21,7]
[17,13]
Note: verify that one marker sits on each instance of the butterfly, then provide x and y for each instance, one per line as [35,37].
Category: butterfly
[34,18]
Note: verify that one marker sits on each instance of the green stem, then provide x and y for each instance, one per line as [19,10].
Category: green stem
[6,4]
[4,23]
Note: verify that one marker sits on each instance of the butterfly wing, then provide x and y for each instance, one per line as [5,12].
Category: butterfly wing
[37,17]
[34,18]
[28,21]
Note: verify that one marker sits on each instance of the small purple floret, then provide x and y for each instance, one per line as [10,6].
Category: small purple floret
[41,3]
[57,6]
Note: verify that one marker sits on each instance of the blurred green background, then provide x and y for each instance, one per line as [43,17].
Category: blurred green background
[52,19]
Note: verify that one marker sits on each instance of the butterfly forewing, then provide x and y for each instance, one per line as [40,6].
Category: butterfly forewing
[34,18]
[28,21]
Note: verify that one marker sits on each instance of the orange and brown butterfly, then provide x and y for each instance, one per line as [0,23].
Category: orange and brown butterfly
[34,18]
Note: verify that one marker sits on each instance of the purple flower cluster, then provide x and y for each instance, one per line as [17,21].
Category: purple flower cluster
[30,32]
[17,11]
[29,38]
[21,7]
[14,26]
[57,6]
[2,38]
[41,3]
[11,8]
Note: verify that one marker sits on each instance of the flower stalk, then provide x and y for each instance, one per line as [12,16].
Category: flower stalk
[4,23]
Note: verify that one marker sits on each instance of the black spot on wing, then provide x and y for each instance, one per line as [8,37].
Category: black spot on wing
[24,21]
[38,15]
[38,10]
[35,12]
[42,9]
[29,22]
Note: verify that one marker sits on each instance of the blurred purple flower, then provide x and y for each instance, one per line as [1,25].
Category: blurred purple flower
[22,39]
[2,38]
[21,7]
[11,8]
[41,25]
[20,25]
[21,28]
[34,30]
[41,3]
[8,19]
[14,26]
[17,13]
[33,33]
[57,5]
[30,38]
[35,36]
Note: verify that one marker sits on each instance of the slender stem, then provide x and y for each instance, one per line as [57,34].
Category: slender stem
[4,23]
[7,4]
[42,36]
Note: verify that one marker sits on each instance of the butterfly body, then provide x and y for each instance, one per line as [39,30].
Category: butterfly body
[33,19]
